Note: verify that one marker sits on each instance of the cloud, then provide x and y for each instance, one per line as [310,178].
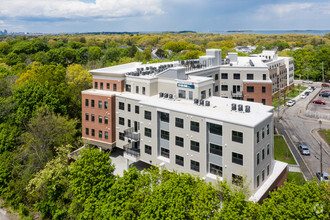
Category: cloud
[72,9]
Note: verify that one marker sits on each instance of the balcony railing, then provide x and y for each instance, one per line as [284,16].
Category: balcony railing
[130,134]
[132,152]
[237,94]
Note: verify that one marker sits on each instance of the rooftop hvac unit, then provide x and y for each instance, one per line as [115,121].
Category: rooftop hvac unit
[195,101]
[233,107]
[166,95]
[170,96]
[161,95]
[201,102]
[147,68]
[141,69]
[247,108]
[207,103]
[240,107]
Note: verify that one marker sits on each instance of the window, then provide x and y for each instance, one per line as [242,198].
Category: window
[179,141]
[121,106]
[105,120]
[92,117]
[179,160]
[108,85]
[86,102]
[128,88]
[86,116]
[237,158]
[258,139]
[216,149]
[95,85]
[237,76]
[165,117]
[267,170]
[106,135]
[267,149]
[136,89]
[263,175]
[237,136]
[263,89]
[216,89]
[194,165]
[249,76]
[263,101]
[215,129]
[194,126]
[209,92]
[258,159]
[92,103]
[263,133]
[93,132]
[263,154]
[237,180]
[121,121]
[224,75]
[143,90]
[224,87]
[216,76]
[268,129]
[194,145]
[137,109]
[164,152]
[105,105]
[114,87]
[215,169]
[190,95]
[179,122]
[203,94]
[250,88]
[87,131]
[147,149]
[121,136]
[101,85]
[147,132]
[100,134]
[147,115]
[164,135]
[100,119]
[182,94]
[258,182]
[129,107]
[100,104]
[250,99]
[128,123]
[264,76]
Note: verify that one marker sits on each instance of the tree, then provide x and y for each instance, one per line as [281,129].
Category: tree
[91,177]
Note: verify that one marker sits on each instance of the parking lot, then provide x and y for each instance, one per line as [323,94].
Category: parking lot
[320,107]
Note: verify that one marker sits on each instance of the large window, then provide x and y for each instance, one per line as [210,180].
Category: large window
[179,141]
[194,165]
[92,117]
[93,132]
[101,85]
[215,169]
[264,76]
[237,180]
[129,107]
[165,152]
[100,134]
[106,120]
[194,145]
[237,136]
[92,103]
[121,121]
[86,116]
[95,85]
[263,175]
[258,158]
[250,88]
[147,132]
[106,135]
[121,136]
[237,158]
[263,154]
[179,122]
[263,133]
[121,106]
[105,105]
[165,117]
[224,75]
[216,89]
[224,87]
[267,149]
[263,89]
[137,89]
[216,149]
[86,102]
[258,137]
[87,131]
[143,90]
[179,160]
[108,85]
[182,94]
[164,135]
[147,115]
[137,109]
[128,88]
[194,126]
[249,76]
[100,119]
[100,104]
[147,149]
[237,76]
[258,181]
[215,129]
[114,87]
[216,76]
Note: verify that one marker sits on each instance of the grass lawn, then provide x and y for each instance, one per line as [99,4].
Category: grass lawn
[281,151]
[298,178]
[325,134]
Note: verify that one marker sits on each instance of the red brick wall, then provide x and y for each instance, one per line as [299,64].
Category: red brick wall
[258,95]
[110,113]
[120,84]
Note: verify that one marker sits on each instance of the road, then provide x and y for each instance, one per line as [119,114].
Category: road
[302,130]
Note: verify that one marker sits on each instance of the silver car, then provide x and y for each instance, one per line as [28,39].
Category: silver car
[303,149]
[325,176]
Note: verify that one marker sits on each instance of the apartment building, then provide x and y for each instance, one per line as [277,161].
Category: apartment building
[166,115]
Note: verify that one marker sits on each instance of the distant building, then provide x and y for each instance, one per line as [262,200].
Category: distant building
[245,49]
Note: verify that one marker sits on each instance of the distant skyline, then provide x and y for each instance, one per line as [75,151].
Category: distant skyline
[56,16]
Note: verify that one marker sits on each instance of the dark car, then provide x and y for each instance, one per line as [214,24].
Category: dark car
[303,149]
[319,102]
[324,91]
[325,94]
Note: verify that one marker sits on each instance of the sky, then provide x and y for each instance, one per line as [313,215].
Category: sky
[57,16]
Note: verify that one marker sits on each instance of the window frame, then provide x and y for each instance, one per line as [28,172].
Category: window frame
[194,145]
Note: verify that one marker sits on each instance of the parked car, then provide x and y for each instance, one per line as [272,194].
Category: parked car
[306,93]
[325,85]
[303,149]
[325,176]
[303,96]
[319,102]
[291,103]
[325,94]
[324,91]
[310,89]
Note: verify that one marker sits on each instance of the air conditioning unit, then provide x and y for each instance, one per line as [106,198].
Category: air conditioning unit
[207,103]
[161,95]
[166,95]
[233,107]
[201,102]
[247,108]
[170,96]
[195,101]
[240,107]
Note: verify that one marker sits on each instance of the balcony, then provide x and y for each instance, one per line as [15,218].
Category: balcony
[131,135]
[237,94]
[130,153]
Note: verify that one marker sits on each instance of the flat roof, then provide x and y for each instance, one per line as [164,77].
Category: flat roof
[245,62]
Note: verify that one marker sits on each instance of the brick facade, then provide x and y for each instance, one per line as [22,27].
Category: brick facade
[109,85]
[262,92]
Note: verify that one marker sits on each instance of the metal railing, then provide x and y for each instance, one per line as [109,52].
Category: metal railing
[237,94]
[129,133]
[132,152]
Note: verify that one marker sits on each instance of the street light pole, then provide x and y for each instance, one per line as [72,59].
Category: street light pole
[320,122]
[322,73]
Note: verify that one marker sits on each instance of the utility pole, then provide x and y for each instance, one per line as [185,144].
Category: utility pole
[320,122]
[299,84]
[322,73]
